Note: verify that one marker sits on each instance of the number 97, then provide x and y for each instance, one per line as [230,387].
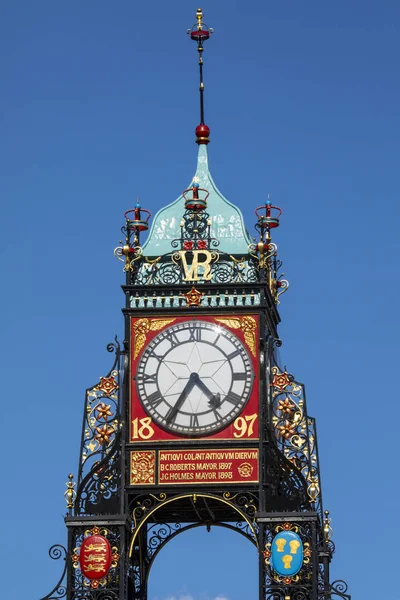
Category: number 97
[244,426]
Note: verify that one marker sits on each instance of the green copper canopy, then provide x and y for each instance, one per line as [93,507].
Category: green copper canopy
[227,220]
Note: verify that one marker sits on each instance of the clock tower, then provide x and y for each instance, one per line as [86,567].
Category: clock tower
[197,423]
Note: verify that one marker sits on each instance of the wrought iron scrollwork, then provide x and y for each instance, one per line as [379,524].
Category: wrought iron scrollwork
[149,534]
[106,588]
[260,265]
[169,269]
[338,588]
[303,584]
[98,491]
[56,552]
[100,466]
[295,432]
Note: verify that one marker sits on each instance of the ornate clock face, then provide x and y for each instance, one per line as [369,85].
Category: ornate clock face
[194,378]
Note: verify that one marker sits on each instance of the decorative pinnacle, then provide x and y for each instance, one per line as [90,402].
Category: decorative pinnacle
[70,494]
[200,32]
[327,527]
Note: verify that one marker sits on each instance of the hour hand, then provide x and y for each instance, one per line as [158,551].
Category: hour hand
[214,400]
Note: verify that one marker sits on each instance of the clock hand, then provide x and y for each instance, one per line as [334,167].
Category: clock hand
[214,399]
[171,415]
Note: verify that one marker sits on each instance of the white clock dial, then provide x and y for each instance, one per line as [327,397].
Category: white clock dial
[194,378]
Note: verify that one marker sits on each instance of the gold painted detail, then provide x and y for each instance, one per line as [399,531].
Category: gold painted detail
[248,325]
[143,467]
[306,553]
[200,266]
[141,328]
[103,434]
[128,255]
[267,553]
[245,469]
[107,385]
[280,380]
[101,410]
[194,297]
[70,494]
[327,527]
[266,252]
[295,430]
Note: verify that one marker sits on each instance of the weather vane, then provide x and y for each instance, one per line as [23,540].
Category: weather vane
[200,32]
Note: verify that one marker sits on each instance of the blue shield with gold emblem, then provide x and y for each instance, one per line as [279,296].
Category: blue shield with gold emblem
[287,553]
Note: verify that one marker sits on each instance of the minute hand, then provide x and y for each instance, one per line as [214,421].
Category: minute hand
[186,391]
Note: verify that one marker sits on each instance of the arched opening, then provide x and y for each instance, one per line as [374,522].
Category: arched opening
[211,563]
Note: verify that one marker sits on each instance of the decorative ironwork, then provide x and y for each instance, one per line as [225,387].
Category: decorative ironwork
[195,257]
[200,32]
[159,534]
[100,467]
[149,535]
[119,515]
[303,584]
[70,494]
[105,588]
[339,589]
[295,432]
[59,590]
[98,492]
[244,504]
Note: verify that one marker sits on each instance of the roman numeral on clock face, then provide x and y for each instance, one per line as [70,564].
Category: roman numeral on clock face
[239,376]
[194,421]
[233,354]
[149,378]
[154,399]
[195,334]
[173,338]
[233,398]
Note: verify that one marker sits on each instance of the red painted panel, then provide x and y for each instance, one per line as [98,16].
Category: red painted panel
[144,330]
[95,557]
[211,466]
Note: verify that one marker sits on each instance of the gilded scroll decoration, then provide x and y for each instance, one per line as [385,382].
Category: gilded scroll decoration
[142,327]
[248,325]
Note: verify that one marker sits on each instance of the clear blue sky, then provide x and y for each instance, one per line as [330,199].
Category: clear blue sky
[98,106]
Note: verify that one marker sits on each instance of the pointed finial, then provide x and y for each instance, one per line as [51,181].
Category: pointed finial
[327,527]
[70,494]
[200,32]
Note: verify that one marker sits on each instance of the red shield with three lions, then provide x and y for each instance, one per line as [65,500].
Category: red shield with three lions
[95,557]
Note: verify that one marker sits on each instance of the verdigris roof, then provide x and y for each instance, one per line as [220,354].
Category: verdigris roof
[227,224]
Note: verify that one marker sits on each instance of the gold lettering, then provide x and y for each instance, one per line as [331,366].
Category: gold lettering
[192,271]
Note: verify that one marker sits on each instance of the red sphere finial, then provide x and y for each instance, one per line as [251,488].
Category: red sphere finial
[202,134]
